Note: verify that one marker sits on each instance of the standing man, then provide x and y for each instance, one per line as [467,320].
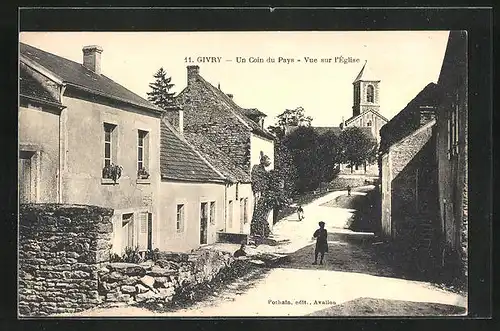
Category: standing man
[321,243]
[348,190]
[300,213]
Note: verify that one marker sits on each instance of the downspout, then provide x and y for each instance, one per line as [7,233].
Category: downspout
[62,145]
[225,207]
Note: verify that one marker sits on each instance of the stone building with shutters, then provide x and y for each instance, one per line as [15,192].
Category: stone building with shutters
[85,139]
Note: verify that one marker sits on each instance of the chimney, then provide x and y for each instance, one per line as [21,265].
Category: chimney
[192,72]
[427,114]
[92,58]
[230,95]
[181,121]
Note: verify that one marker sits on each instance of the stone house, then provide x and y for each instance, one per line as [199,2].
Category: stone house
[74,125]
[408,171]
[451,129]
[192,194]
[424,165]
[238,133]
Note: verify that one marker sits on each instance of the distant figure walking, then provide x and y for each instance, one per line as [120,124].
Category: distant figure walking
[348,190]
[240,251]
[300,213]
[321,243]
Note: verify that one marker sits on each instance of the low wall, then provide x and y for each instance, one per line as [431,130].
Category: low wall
[161,280]
[341,182]
[60,248]
[64,267]
[232,238]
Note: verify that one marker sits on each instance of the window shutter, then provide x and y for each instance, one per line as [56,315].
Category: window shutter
[143,231]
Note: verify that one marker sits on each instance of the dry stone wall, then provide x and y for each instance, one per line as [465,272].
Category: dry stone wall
[64,267]
[160,281]
[60,247]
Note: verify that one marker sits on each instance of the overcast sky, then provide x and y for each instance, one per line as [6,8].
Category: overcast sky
[405,62]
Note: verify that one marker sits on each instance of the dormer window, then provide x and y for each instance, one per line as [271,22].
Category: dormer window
[369,123]
[369,93]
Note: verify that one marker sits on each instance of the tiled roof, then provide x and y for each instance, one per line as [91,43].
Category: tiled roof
[217,158]
[32,89]
[237,110]
[180,161]
[77,75]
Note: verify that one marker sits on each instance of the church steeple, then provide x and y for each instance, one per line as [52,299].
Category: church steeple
[366,91]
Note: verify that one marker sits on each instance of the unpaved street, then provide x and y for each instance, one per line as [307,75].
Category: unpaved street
[355,279]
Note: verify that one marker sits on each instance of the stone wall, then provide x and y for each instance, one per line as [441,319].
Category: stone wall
[60,248]
[160,281]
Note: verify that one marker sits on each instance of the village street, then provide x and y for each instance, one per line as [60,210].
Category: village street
[354,280]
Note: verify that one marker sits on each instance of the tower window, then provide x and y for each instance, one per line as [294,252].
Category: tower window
[369,123]
[369,93]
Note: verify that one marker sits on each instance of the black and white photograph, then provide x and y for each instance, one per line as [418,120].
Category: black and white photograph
[243,173]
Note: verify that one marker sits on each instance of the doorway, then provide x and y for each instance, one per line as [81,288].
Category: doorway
[203,223]
[26,177]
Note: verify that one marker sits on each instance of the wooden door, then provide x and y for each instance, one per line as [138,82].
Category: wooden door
[25,178]
[203,223]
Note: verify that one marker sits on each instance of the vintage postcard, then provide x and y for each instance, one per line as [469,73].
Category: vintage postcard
[253,174]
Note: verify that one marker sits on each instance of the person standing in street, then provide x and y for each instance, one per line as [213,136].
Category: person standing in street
[348,190]
[300,213]
[321,236]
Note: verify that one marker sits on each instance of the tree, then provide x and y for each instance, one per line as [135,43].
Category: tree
[357,147]
[290,117]
[330,155]
[160,95]
[303,145]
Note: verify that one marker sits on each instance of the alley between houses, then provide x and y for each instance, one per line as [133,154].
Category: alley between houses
[356,278]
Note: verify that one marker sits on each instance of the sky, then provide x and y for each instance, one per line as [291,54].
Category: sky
[404,61]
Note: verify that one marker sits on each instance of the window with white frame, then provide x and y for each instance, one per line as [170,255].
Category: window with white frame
[109,144]
[128,230]
[179,224]
[142,153]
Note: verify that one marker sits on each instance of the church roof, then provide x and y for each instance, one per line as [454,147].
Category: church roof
[366,74]
[352,118]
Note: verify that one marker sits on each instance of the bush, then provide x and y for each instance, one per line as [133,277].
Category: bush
[153,255]
[132,255]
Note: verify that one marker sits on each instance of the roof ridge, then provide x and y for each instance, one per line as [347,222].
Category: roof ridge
[213,91]
[147,103]
[235,108]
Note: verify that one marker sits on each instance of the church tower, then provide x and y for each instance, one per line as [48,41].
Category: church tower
[366,92]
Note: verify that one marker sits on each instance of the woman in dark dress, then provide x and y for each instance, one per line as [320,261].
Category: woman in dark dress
[321,243]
